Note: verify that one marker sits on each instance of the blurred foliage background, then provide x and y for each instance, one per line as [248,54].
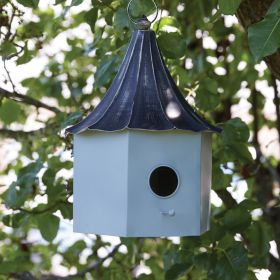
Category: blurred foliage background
[222,54]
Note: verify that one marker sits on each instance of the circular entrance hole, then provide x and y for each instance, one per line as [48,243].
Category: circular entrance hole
[164,181]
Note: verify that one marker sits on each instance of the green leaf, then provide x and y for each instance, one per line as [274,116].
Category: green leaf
[55,163]
[207,97]
[10,111]
[7,48]
[26,57]
[235,135]
[220,180]
[202,261]
[19,219]
[31,30]
[76,2]
[17,265]
[259,235]
[100,3]
[164,22]
[56,192]
[235,130]
[171,258]
[233,264]
[71,119]
[229,7]
[72,254]
[28,174]
[104,72]
[240,152]
[6,220]
[59,2]
[250,204]
[19,191]
[48,225]
[274,7]
[264,36]
[215,234]
[275,275]
[66,210]
[141,8]
[176,270]
[172,44]
[237,220]
[29,3]
[49,177]
[250,275]
[91,17]
[15,220]
[227,241]
[3,2]
[15,197]
[121,20]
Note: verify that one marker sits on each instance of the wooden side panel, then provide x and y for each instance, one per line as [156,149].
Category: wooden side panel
[100,183]
[206,178]
[180,151]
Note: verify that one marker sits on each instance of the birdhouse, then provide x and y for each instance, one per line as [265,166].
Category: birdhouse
[142,157]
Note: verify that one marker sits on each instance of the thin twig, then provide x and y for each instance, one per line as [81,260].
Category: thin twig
[17,53]
[8,34]
[27,100]
[256,142]
[47,209]
[97,264]
[20,134]
[23,276]
[277,104]
[9,76]
[81,274]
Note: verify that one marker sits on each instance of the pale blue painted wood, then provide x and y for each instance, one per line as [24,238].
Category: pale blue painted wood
[180,151]
[206,180]
[112,195]
[100,183]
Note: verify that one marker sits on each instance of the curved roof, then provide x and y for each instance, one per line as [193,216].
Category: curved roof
[143,95]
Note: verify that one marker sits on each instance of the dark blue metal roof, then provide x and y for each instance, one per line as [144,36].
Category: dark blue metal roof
[143,95]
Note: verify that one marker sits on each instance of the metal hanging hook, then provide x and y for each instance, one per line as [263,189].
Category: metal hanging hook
[136,22]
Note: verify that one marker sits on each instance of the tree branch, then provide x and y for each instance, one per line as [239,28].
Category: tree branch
[23,276]
[255,140]
[97,264]
[19,134]
[8,34]
[277,105]
[27,100]
[81,274]
[9,76]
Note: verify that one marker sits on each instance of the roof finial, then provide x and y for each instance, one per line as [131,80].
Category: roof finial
[143,23]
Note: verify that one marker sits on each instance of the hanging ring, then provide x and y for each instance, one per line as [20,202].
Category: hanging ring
[133,20]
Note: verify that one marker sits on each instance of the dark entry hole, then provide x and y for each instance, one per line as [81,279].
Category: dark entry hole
[163,181]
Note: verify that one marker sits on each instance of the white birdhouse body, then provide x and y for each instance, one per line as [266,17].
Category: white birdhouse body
[142,157]
[113,175]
